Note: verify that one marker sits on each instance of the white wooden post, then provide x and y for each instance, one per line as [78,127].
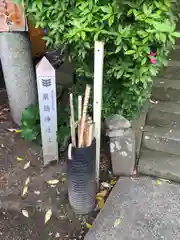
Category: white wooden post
[46,82]
[98,82]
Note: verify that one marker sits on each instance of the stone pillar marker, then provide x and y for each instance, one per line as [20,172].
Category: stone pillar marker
[46,82]
[19,74]
[121,144]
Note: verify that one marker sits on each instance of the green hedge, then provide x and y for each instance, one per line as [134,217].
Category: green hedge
[130,30]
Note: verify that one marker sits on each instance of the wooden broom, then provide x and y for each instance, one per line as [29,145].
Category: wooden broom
[83,119]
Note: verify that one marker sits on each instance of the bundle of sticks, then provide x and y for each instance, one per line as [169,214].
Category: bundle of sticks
[85,123]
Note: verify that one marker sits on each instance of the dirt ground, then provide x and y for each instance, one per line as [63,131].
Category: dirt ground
[15,155]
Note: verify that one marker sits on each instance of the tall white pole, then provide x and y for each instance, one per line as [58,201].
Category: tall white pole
[97,106]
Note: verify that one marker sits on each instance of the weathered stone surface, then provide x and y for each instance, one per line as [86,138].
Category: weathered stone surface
[167,91]
[117,122]
[16,59]
[159,164]
[146,210]
[164,114]
[121,144]
[167,83]
[170,72]
[174,55]
[122,150]
[162,139]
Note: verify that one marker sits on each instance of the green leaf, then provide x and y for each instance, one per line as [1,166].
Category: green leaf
[107,16]
[111,20]
[162,37]
[166,27]
[143,61]
[29,134]
[106,9]
[145,9]
[130,52]
[30,115]
[120,73]
[118,49]
[176,34]
[83,35]
[39,4]
[130,12]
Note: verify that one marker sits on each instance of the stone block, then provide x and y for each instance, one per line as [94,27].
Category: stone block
[121,144]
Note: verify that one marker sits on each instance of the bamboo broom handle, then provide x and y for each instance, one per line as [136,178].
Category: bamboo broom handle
[79,107]
[85,106]
[90,134]
[72,121]
[85,135]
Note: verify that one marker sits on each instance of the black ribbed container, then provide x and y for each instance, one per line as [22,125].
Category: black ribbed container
[82,179]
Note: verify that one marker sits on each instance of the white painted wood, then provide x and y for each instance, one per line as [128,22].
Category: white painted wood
[98,82]
[46,82]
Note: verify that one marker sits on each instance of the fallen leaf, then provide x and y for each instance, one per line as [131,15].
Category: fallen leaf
[19,159]
[164,180]
[153,102]
[48,215]
[14,130]
[63,180]
[11,129]
[102,194]
[18,130]
[27,181]
[25,213]
[117,222]
[106,185]
[113,181]
[25,190]
[100,201]
[37,192]
[27,165]
[57,235]
[53,181]
[159,182]
[88,225]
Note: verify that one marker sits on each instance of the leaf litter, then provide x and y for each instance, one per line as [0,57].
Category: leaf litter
[159,182]
[14,130]
[48,215]
[25,189]
[27,165]
[20,159]
[53,182]
[27,181]
[117,222]
[25,213]
[88,225]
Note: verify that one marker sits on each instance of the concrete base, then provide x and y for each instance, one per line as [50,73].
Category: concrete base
[19,76]
[139,209]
